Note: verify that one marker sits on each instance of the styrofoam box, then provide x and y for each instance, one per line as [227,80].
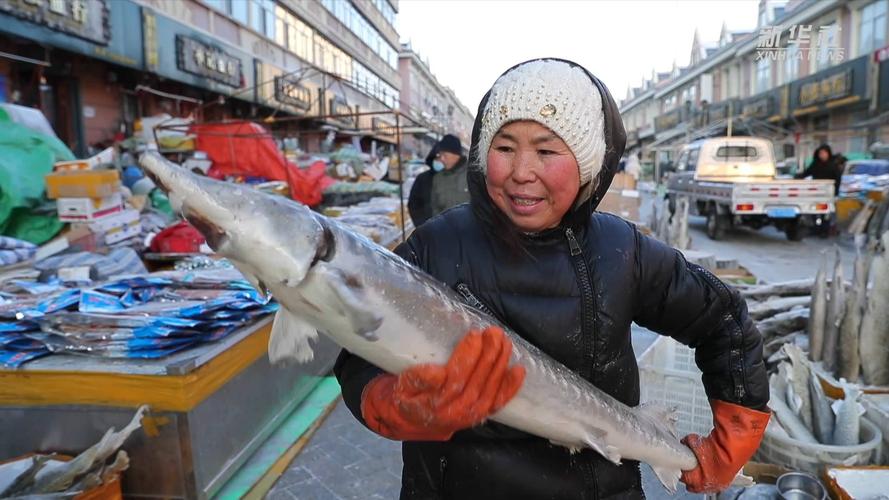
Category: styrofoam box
[118,227]
[88,209]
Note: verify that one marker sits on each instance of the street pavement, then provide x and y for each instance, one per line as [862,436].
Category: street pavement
[343,460]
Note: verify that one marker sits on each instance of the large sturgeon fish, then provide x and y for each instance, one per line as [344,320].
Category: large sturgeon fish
[371,302]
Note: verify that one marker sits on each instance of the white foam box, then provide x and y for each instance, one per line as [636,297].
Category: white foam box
[88,209]
[118,227]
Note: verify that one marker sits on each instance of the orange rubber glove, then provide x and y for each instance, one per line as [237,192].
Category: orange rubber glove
[431,402]
[735,437]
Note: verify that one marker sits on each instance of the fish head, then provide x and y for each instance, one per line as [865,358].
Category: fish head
[269,238]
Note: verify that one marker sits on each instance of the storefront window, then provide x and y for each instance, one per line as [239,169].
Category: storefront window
[239,11]
[791,64]
[346,13]
[762,75]
[872,27]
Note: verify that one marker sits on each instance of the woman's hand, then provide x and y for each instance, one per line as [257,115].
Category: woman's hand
[430,402]
[736,434]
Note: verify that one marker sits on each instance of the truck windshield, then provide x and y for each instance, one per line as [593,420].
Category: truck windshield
[736,152]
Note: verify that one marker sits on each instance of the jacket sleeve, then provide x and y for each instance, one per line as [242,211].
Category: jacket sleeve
[690,304]
[354,373]
[419,203]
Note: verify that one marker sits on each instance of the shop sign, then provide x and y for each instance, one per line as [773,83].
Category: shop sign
[149,32]
[667,121]
[344,112]
[382,127]
[288,90]
[198,58]
[760,107]
[826,88]
[86,19]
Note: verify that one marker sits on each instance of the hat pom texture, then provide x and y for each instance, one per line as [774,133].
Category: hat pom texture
[559,96]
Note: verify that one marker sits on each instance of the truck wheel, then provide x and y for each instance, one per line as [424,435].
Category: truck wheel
[795,231]
[717,225]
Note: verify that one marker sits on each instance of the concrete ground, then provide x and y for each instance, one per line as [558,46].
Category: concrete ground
[345,461]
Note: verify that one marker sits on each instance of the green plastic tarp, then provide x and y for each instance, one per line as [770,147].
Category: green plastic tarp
[26,156]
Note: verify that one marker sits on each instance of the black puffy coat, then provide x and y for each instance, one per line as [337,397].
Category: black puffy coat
[572,291]
[820,169]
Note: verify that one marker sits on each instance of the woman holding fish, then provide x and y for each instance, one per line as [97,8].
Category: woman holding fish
[531,251]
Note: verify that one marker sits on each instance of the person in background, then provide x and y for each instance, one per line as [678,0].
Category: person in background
[824,166]
[444,185]
[531,250]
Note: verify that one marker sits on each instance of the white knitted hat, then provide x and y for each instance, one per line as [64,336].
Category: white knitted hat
[559,96]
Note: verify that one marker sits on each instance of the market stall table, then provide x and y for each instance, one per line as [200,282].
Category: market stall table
[211,408]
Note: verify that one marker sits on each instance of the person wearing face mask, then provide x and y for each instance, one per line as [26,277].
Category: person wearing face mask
[444,185]
[531,250]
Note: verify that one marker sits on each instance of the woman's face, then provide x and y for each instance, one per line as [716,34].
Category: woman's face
[532,175]
[823,154]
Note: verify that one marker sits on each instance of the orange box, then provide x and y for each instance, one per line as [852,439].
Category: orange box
[82,184]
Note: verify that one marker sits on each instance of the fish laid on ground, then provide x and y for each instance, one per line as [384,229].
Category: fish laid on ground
[783,323]
[848,359]
[771,350]
[371,302]
[789,420]
[874,338]
[822,414]
[784,289]
[818,312]
[799,380]
[848,411]
[768,308]
[836,307]
[60,478]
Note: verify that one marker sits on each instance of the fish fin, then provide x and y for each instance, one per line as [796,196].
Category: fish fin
[595,439]
[669,477]
[344,293]
[743,480]
[290,338]
[257,284]
[661,416]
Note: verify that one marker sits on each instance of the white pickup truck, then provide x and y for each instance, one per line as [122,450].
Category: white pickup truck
[731,181]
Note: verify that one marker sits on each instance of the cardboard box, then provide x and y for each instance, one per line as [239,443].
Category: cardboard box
[82,184]
[623,180]
[623,203]
[88,209]
[105,156]
[117,227]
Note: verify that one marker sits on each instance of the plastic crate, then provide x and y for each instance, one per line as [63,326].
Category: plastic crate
[812,458]
[669,376]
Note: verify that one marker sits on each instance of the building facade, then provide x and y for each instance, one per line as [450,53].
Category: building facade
[304,67]
[812,72]
[429,104]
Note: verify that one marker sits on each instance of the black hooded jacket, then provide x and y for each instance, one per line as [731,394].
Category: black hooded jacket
[820,169]
[572,291]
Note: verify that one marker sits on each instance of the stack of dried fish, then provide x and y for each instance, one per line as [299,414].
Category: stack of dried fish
[803,411]
[849,325]
[781,312]
[45,475]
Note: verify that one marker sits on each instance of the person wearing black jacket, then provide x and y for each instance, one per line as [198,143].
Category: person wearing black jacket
[531,251]
[443,185]
[824,166]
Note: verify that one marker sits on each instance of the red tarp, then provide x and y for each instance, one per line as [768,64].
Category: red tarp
[246,148]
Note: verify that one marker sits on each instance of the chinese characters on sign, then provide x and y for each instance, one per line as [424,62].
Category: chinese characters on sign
[825,89]
[288,90]
[801,43]
[200,59]
[342,112]
[87,19]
